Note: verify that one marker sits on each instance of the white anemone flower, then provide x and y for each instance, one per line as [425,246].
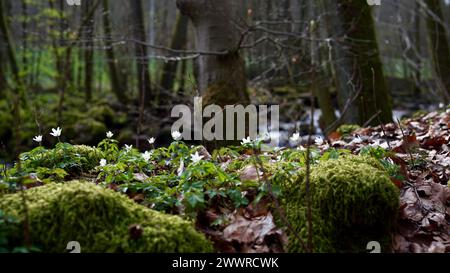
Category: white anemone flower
[151,140]
[38,139]
[176,135]
[128,147]
[147,155]
[246,141]
[103,162]
[196,157]
[109,134]
[56,132]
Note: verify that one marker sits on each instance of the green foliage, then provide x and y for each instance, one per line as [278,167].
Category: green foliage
[100,219]
[351,194]
[376,152]
[192,191]
[65,159]
[379,158]
[347,129]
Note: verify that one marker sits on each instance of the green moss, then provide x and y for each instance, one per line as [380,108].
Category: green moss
[322,231]
[354,201]
[363,159]
[72,158]
[354,193]
[347,129]
[99,219]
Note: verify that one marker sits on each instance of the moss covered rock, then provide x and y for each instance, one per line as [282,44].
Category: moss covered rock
[322,236]
[350,193]
[354,202]
[101,220]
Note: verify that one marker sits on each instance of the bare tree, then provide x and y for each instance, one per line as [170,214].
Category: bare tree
[440,49]
[179,40]
[143,72]
[117,85]
[221,76]
[374,102]
[88,52]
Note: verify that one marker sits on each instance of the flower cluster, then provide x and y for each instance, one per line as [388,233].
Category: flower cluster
[56,132]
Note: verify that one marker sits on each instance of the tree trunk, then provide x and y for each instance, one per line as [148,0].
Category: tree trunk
[440,49]
[11,53]
[116,82]
[24,36]
[374,102]
[88,53]
[221,77]
[323,96]
[17,94]
[179,40]
[415,34]
[2,70]
[341,64]
[141,52]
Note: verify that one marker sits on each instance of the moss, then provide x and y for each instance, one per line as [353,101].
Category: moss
[351,193]
[100,220]
[322,231]
[363,159]
[347,129]
[72,158]
[353,200]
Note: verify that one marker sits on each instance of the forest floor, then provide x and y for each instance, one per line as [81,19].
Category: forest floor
[223,192]
[420,146]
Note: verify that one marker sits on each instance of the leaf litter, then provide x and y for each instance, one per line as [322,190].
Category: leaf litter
[420,147]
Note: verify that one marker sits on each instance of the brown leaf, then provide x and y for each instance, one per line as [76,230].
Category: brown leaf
[334,136]
[252,233]
[250,173]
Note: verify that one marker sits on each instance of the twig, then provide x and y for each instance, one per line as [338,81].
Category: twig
[372,118]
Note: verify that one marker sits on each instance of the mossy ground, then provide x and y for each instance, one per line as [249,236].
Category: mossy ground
[353,199]
[100,220]
[74,159]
